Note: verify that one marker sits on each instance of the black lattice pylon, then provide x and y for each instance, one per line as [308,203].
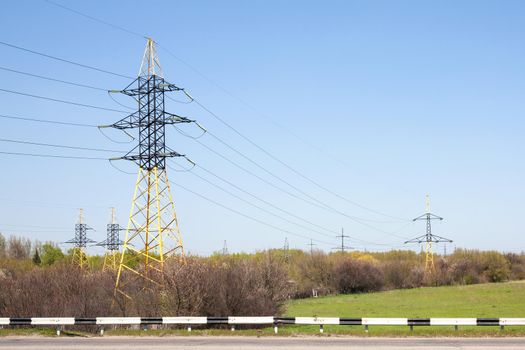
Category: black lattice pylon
[80,242]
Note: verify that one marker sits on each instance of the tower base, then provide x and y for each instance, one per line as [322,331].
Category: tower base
[152,237]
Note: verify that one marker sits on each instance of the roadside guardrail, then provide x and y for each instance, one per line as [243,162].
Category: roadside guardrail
[276,321]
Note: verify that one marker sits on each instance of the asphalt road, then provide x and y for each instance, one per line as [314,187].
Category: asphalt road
[253,343]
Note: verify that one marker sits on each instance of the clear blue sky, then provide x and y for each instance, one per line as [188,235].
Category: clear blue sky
[403,98]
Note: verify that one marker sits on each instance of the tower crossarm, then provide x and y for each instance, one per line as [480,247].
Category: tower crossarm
[439,239]
[145,88]
[420,239]
[104,243]
[429,238]
[138,157]
[133,121]
[428,216]
[176,119]
[80,241]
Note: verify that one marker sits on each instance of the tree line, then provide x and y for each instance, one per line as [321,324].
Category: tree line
[39,280]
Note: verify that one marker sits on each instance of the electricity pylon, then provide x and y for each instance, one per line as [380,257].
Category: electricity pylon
[312,244]
[80,241]
[152,235]
[225,248]
[343,246]
[428,238]
[112,244]
[286,250]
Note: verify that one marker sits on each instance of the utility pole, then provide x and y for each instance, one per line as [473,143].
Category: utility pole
[343,246]
[153,235]
[428,238]
[80,241]
[312,244]
[112,244]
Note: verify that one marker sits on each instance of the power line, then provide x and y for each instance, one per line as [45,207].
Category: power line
[96,19]
[254,174]
[246,215]
[227,124]
[47,121]
[269,154]
[33,226]
[62,101]
[58,146]
[315,202]
[232,148]
[205,146]
[129,31]
[263,200]
[200,105]
[274,206]
[22,231]
[51,79]
[220,87]
[257,206]
[64,60]
[248,140]
[51,156]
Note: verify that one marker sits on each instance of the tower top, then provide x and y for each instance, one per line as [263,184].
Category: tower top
[427,204]
[150,61]
[80,216]
[113,219]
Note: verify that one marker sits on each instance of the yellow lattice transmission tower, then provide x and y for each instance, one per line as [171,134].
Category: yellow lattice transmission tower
[152,235]
[112,244]
[80,242]
[428,238]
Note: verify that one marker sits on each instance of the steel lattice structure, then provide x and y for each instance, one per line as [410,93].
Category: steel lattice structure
[152,234]
[112,244]
[286,250]
[80,242]
[428,238]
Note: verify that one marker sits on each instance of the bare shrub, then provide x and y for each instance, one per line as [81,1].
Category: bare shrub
[18,248]
[355,276]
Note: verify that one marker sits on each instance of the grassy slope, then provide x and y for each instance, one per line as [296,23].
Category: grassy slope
[482,300]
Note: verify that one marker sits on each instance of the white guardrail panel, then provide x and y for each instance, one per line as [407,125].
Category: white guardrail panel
[453,322]
[42,321]
[317,320]
[184,320]
[250,320]
[512,321]
[385,321]
[118,320]
[4,320]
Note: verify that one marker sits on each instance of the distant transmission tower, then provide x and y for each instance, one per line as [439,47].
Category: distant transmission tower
[286,250]
[312,244]
[80,241]
[343,246]
[112,244]
[152,235]
[429,238]
[225,248]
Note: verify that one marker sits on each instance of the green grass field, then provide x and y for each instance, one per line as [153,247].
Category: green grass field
[483,300]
